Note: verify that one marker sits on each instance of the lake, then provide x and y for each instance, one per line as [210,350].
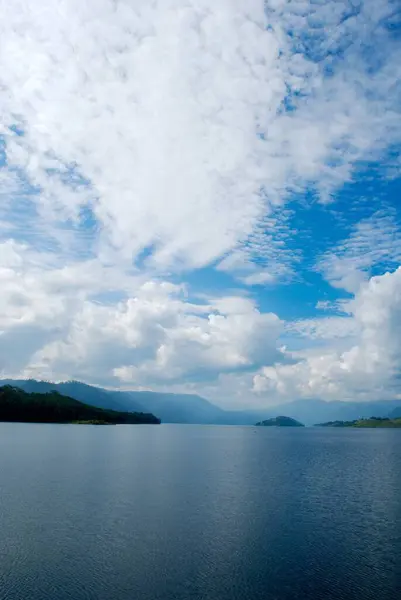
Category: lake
[196,512]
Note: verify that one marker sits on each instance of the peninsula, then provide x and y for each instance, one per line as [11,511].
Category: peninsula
[372,422]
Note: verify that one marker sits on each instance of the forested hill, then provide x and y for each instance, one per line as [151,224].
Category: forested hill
[372,422]
[280,422]
[19,406]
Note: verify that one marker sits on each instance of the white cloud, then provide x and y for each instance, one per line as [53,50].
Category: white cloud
[157,107]
[62,321]
[157,112]
[355,353]
[366,366]
[158,337]
[266,257]
[374,241]
[323,329]
[140,140]
[324,305]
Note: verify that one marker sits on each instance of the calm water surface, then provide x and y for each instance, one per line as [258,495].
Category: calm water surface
[187,512]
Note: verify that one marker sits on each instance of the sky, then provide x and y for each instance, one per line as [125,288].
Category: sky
[201,196]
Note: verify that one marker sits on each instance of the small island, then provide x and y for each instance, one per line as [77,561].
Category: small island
[21,407]
[370,423]
[280,422]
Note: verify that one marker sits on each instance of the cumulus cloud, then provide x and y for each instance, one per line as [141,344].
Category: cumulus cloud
[367,366]
[140,141]
[158,337]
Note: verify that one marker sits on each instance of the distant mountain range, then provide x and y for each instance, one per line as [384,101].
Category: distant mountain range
[170,408]
[191,408]
[396,413]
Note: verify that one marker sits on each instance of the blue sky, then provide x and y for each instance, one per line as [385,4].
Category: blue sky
[202,198]
[317,229]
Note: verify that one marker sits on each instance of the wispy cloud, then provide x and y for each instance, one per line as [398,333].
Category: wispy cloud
[374,241]
[142,140]
[174,114]
[326,328]
[267,256]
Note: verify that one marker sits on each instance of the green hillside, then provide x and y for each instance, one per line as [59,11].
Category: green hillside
[372,422]
[280,422]
[19,406]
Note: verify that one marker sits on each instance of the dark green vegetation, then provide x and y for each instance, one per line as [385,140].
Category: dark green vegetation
[336,424]
[280,422]
[191,408]
[311,411]
[170,408]
[19,406]
[372,422]
[93,422]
